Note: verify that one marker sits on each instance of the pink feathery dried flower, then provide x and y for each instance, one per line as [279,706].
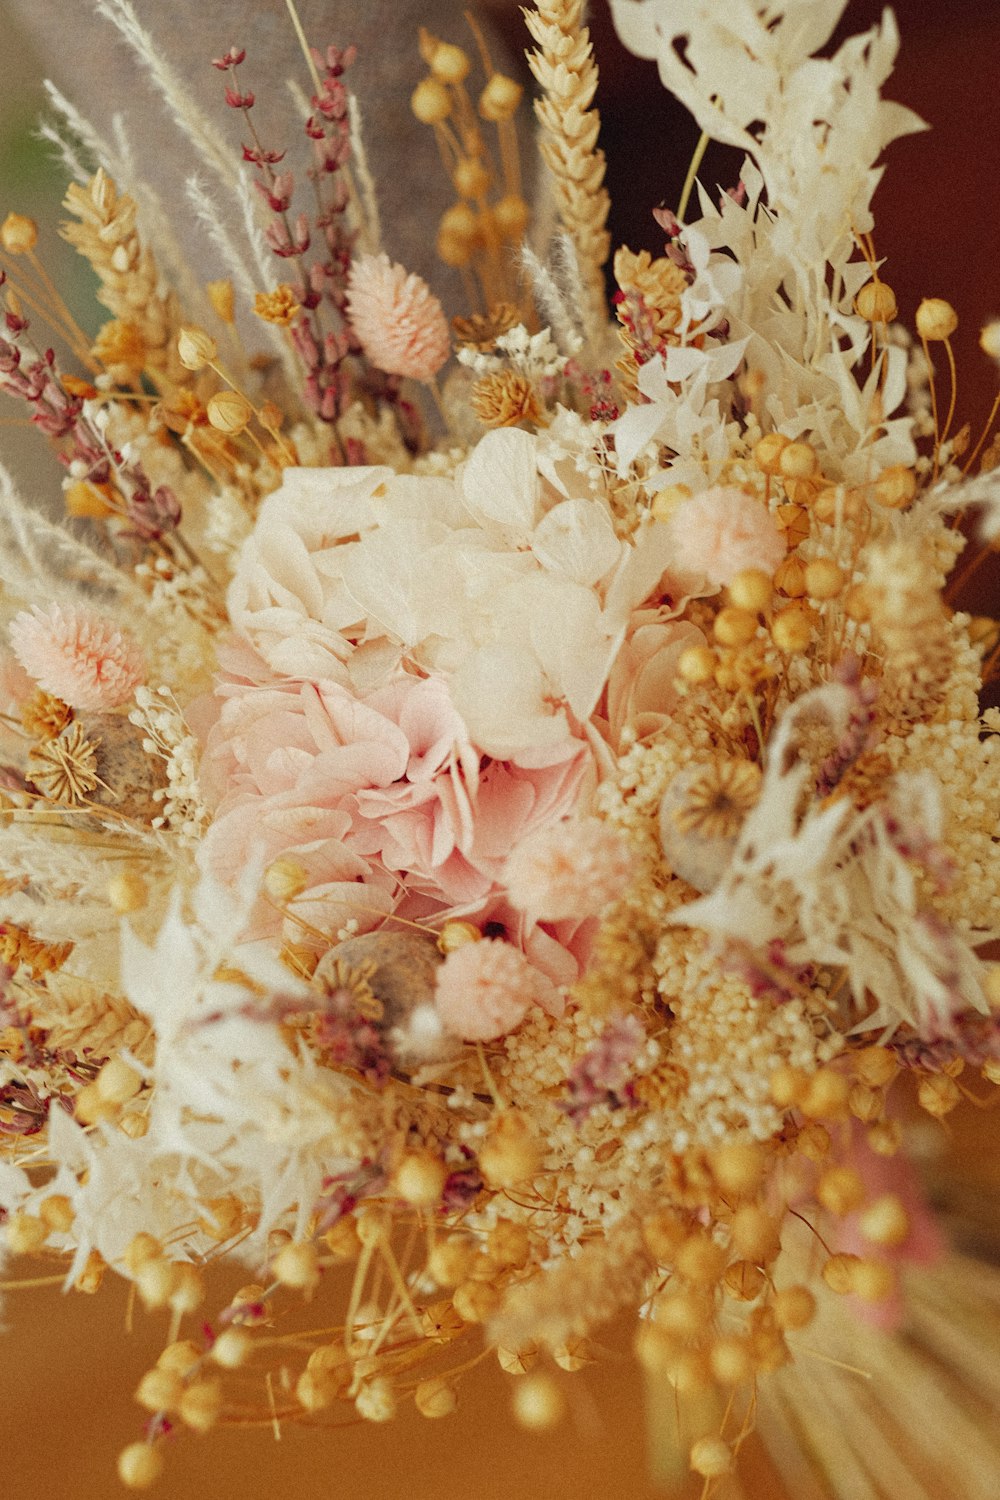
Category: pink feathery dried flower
[398,321]
[723,532]
[570,869]
[80,657]
[485,989]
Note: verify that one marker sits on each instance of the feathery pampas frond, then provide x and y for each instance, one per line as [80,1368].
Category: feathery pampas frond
[39,559]
[554,302]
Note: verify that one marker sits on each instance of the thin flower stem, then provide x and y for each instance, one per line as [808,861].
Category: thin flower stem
[488,1076]
[57,300]
[689,181]
[954,389]
[304,44]
[934,407]
[983,436]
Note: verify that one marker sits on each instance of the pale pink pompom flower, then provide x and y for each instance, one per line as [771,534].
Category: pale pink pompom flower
[484,989]
[724,531]
[398,321]
[81,657]
[570,869]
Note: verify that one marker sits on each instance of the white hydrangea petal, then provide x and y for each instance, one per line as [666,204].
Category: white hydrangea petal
[500,482]
[577,538]
[505,700]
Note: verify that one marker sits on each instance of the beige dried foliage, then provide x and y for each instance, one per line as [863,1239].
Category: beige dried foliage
[564,66]
[911,629]
[105,233]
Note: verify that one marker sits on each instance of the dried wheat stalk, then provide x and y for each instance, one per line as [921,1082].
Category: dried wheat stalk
[106,235]
[564,66]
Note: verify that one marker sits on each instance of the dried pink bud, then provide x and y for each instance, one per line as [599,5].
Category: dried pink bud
[396,318]
[77,655]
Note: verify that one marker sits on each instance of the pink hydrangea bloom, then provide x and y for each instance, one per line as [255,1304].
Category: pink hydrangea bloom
[722,532]
[398,321]
[379,796]
[485,989]
[79,656]
[569,869]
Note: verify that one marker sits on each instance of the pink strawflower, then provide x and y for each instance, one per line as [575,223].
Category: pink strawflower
[486,988]
[81,657]
[569,869]
[724,531]
[398,321]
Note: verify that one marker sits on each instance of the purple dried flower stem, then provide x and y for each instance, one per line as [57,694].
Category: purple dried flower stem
[320,351]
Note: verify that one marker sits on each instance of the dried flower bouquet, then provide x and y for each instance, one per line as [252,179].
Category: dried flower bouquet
[501,805]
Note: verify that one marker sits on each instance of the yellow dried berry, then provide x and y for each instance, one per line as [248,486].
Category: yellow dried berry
[936,319]
[139,1466]
[538,1403]
[229,412]
[500,98]
[430,101]
[876,302]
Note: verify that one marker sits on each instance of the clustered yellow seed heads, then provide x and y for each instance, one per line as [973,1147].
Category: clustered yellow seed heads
[18,234]
[512,1152]
[196,348]
[797,460]
[127,892]
[232,1348]
[936,319]
[449,63]
[768,450]
[430,101]
[876,302]
[118,1081]
[711,1457]
[297,1266]
[824,579]
[751,590]
[733,626]
[471,177]
[885,1221]
[938,1094]
[420,1179]
[139,1466]
[220,294]
[456,934]
[229,412]
[538,1403]
[840,1190]
[791,630]
[895,487]
[25,1234]
[697,664]
[500,98]
[794,1307]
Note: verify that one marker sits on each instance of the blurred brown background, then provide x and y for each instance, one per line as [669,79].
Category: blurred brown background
[68,1368]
